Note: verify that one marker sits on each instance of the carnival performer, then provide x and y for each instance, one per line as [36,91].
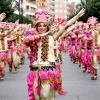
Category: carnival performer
[78,34]
[92,48]
[31,31]
[83,54]
[43,79]
[20,45]
[16,48]
[98,32]
[58,43]
[69,45]
[59,51]
[72,36]
[10,41]
[4,47]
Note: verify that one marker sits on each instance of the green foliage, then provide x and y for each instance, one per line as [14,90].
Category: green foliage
[21,18]
[5,6]
[92,8]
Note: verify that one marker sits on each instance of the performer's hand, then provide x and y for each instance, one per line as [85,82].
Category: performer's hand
[17,22]
[2,16]
[81,13]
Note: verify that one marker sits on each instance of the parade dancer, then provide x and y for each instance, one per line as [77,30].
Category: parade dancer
[93,47]
[20,45]
[78,34]
[69,45]
[98,33]
[15,49]
[4,46]
[43,70]
[83,55]
[73,39]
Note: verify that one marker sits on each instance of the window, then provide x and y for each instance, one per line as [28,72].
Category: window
[60,10]
[53,5]
[56,16]
[65,11]
[56,10]
[60,6]
[39,4]
[56,5]
[27,7]
[52,9]
[32,9]
[43,5]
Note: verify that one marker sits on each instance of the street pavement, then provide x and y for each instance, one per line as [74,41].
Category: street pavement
[78,84]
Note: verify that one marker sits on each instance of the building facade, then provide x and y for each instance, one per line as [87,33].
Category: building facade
[60,8]
[42,5]
[26,8]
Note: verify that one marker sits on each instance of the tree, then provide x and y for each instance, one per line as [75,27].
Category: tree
[22,19]
[6,6]
[92,9]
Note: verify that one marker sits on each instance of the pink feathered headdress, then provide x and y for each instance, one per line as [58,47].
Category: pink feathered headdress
[62,21]
[44,16]
[79,23]
[57,23]
[9,25]
[92,20]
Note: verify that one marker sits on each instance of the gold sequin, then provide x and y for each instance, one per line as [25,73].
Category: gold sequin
[36,52]
[45,48]
[96,38]
[3,44]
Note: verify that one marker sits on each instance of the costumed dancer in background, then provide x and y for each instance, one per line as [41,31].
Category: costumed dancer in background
[98,33]
[60,44]
[16,51]
[2,56]
[93,47]
[20,45]
[73,38]
[78,38]
[83,55]
[4,47]
[29,32]
[69,44]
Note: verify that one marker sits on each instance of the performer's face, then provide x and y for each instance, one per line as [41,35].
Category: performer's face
[42,28]
[80,28]
[92,26]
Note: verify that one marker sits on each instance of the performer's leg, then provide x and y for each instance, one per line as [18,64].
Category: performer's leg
[84,69]
[22,58]
[2,71]
[92,73]
[60,57]
[46,92]
[10,65]
[15,61]
[95,74]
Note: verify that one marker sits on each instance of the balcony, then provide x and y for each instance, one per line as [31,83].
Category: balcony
[31,3]
[52,1]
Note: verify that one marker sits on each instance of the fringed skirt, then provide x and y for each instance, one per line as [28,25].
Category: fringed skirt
[43,83]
